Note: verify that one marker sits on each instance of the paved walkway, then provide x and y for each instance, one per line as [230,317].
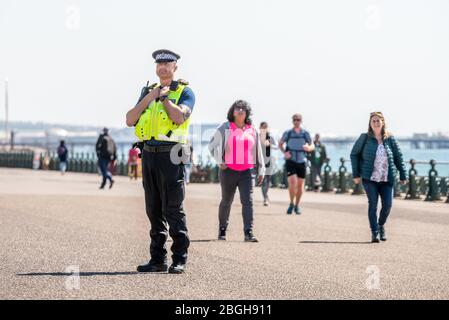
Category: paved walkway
[52,225]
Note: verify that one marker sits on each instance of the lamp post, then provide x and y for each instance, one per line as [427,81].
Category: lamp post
[6,110]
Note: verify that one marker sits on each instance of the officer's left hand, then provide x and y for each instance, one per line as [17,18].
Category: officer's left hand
[164,91]
[259,179]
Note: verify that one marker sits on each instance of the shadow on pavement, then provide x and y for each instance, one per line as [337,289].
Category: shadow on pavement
[337,242]
[81,274]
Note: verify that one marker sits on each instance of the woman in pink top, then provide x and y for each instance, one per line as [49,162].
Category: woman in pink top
[237,149]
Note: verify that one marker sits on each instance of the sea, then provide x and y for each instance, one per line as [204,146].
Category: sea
[334,152]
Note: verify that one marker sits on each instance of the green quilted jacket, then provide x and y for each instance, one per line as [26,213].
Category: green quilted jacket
[363,155]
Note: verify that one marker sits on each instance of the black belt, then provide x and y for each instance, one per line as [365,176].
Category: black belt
[157,149]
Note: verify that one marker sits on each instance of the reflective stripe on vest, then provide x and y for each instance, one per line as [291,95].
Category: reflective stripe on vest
[155,122]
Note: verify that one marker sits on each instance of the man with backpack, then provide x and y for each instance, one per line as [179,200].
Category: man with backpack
[298,143]
[62,155]
[106,153]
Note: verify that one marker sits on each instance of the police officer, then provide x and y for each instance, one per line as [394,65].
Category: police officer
[161,119]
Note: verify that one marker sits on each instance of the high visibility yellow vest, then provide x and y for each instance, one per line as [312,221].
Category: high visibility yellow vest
[155,123]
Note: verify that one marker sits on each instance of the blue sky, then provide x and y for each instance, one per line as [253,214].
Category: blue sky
[84,62]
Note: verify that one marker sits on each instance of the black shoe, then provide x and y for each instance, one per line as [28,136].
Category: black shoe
[153,267]
[290,208]
[111,184]
[222,234]
[249,237]
[177,268]
[382,234]
[297,210]
[101,187]
[375,237]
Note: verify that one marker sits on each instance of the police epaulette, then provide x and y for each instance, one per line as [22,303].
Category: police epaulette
[183,82]
[154,85]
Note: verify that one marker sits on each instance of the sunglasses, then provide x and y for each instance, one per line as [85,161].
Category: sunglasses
[239,110]
[297,119]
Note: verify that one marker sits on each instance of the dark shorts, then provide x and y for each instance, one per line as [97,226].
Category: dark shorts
[293,167]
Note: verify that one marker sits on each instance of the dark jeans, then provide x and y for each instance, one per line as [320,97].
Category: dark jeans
[373,191]
[163,182]
[316,176]
[230,180]
[266,186]
[103,164]
[134,173]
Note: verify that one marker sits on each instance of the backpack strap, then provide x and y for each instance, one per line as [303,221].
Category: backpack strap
[289,136]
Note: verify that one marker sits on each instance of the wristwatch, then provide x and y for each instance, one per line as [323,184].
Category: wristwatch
[162,98]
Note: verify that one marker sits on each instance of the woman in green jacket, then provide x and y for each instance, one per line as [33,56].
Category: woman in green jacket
[375,159]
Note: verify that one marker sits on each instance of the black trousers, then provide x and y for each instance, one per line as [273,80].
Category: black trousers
[164,186]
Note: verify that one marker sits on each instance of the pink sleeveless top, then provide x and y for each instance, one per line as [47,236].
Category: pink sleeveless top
[239,149]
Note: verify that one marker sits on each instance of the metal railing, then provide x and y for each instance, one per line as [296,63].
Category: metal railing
[430,187]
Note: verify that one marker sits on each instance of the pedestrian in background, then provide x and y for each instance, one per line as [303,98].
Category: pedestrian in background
[375,159]
[62,155]
[297,144]
[268,143]
[133,162]
[317,158]
[188,166]
[106,153]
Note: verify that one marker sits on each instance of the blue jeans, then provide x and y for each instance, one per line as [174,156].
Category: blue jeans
[103,164]
[63,166]
[373,191]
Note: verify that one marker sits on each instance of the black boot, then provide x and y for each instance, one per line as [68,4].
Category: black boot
[177,268]
[375,237]
[249,236]
[153,267]
[222,234]
[382,234]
